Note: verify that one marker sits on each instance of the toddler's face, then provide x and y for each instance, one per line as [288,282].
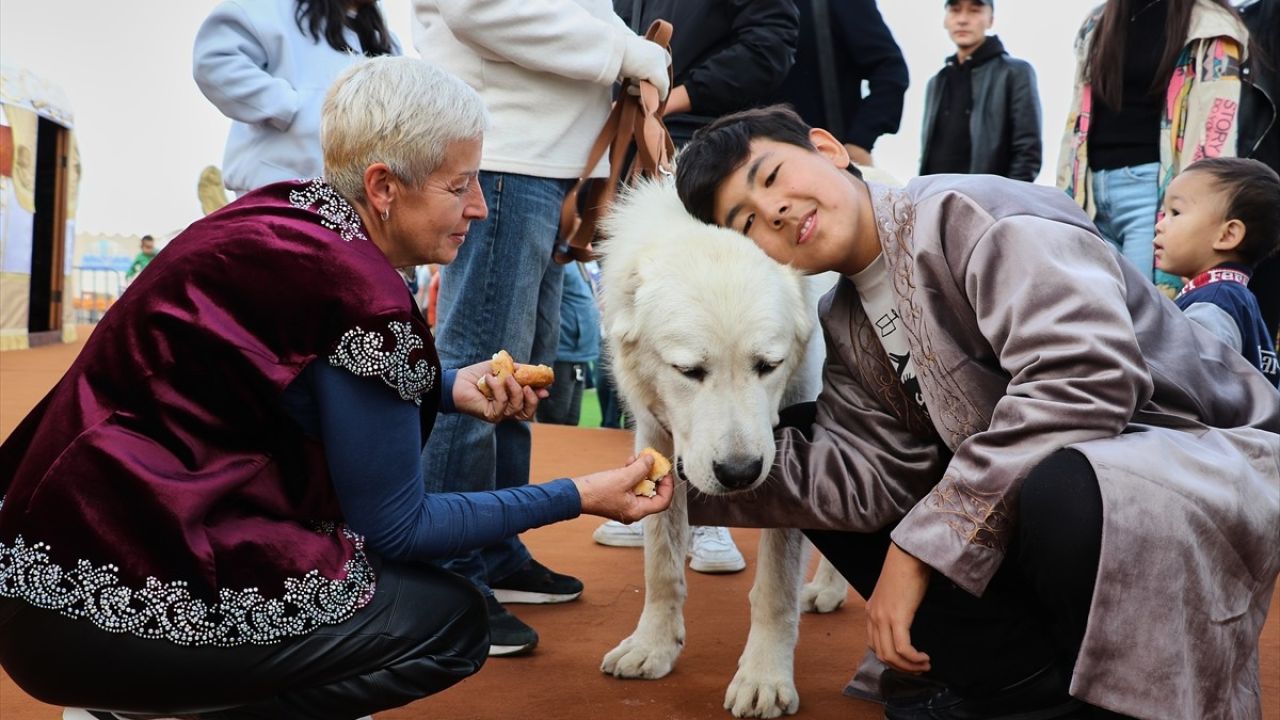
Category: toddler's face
[1192,218]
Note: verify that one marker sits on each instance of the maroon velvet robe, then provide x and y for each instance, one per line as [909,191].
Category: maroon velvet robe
[159,488]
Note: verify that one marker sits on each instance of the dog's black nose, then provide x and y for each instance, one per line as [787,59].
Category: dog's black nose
[737,473]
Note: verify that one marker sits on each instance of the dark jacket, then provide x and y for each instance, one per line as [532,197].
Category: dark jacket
[729,54]
[1260,131]
[864,49]
[1260,94]
[1004,120]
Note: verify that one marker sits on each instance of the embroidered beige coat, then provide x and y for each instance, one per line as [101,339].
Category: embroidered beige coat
[1030,334]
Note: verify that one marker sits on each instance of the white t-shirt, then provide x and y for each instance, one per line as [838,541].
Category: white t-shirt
[872,284]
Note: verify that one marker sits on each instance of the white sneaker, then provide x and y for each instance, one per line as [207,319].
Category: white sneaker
[712,551]
[615,534]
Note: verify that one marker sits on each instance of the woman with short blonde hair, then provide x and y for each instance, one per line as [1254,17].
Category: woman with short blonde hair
[220,509]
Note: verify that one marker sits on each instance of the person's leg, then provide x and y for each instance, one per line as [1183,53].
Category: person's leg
[579,372]
[538,222]
[423,631]
[557,408]
[1059,542]
[610,412]
[489,300]
[1131,195]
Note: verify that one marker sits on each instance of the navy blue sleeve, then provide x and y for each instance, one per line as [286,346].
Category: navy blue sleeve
[372,444]
[446,392]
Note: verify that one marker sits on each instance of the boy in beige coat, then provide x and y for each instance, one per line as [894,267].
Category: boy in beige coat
[1052,487]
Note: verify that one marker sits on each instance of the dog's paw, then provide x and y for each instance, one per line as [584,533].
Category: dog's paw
[761,696]
[826,592]
[641,658]
[820,597]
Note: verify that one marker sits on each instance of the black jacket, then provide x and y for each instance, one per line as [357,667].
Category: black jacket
[1004,121]
[1260,94]
[864,49]
[1260,132]
[729,54]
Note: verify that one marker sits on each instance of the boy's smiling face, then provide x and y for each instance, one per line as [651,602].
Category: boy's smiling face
[801,206]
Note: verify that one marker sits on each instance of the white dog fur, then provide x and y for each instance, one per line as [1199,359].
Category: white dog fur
[706,335]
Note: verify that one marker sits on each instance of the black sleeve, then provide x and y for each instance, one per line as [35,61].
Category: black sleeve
[753,65]
[876,58]
[1024,123]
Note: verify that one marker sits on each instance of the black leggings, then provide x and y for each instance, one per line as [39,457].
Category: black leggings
[424,630]
[1035,609]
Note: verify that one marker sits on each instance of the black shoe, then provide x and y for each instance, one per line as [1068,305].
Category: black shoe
[507,635]
[534,584]
[1042,696]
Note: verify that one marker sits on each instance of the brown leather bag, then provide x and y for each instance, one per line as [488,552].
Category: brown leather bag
[636,120]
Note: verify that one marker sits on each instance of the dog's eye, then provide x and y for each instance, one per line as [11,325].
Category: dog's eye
[695,373]
[764,367]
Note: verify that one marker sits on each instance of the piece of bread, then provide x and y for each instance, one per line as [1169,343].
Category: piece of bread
[535,376]
[661,467]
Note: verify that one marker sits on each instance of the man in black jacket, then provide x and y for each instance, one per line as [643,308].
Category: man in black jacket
[982,110]
[1260,131]
[844,43]
[726,55]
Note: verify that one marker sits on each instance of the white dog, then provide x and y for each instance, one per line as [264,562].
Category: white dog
[705,332]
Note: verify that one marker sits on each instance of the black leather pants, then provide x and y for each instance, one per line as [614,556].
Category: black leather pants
[424,630]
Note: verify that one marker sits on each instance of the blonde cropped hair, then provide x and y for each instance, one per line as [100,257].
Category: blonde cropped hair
[401,111]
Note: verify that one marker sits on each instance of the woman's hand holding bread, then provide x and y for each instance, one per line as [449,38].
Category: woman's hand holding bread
[615,494]
[502,397]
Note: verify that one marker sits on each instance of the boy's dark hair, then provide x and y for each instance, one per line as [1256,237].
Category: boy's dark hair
[145,238]
[721,147]
[1253,197]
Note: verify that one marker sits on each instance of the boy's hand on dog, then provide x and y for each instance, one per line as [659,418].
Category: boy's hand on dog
[610,494]
[510,398]
[891,608]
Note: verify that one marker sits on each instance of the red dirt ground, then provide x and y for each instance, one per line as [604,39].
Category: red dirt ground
[561,680]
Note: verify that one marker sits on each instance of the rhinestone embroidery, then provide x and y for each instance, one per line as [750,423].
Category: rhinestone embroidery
[167,610]
[361,352]
[334,210]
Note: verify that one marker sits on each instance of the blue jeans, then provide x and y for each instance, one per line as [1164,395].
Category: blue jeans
[1127,199]
[502,292]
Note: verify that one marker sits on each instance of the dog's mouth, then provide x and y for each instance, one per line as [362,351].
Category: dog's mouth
[680,470]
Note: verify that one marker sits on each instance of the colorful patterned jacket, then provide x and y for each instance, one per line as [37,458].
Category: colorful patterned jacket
[1200,114]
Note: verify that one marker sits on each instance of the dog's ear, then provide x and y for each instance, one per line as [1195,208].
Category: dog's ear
[624,326]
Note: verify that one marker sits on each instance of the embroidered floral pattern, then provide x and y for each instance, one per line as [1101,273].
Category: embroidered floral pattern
[980,518]
[334,210]
[168,611]
[954,414]
[360,352]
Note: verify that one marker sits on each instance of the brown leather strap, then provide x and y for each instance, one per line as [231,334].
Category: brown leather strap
[636,119]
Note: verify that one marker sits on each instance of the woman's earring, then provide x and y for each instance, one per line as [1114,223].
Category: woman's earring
[386,213]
